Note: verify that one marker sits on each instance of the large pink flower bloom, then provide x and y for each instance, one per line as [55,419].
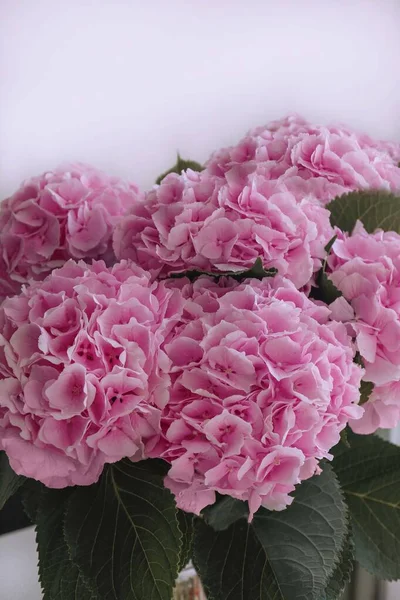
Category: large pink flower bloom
[200,221]
[332,160]
[67,213]
[83,377]
[366,269]
[262,385]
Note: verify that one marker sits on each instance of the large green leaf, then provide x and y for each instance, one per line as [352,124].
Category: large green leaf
[303,542]
[286,555]
[123,533]
[376,209]
[179,166]
[343,570]
[369,472]
[232,563]
[9,481]
[59,577]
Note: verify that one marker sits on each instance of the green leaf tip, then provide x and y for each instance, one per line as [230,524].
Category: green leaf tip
[180,165]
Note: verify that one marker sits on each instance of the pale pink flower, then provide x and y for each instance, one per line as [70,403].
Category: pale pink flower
[83,377]
[67,213]
[262,383]
[366,269]
[341,160]
[197,221]
[331,160]
[382,411]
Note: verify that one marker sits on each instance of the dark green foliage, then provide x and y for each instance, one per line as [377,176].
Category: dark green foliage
[10,482]
[123,533]
[288,555]
[369,473]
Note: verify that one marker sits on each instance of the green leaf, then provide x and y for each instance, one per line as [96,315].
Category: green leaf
[344,437]
[186,527]
[123,532]
[358,359]
[257,271]
[303,542]
[376,209]
[10,482]
[224,512]
[366,389]
[343,570]
[329,245]
[328,291]
[232,564]
[30,496]
[181,165]
[59,577]
[286,555]
[369,473]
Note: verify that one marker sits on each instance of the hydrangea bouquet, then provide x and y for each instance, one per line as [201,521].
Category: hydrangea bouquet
[196,373]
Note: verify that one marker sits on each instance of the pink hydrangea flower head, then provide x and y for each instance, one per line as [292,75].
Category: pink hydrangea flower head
[262,383]
[342,160]
[67,213]
[366,269]
[83,378]
[331,160]
[200,221]
[382,411]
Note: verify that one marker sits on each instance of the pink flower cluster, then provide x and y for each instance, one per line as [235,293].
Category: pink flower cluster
[333,160]
[243,388]
[262,198]
[83,377]
[366,269]
[67,213]
[261,386]
[199,221]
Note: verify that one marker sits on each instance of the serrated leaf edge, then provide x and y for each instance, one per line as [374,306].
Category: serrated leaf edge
[393,467]
[88,582]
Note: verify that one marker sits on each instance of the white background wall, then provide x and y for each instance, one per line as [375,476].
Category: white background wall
[123,84]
